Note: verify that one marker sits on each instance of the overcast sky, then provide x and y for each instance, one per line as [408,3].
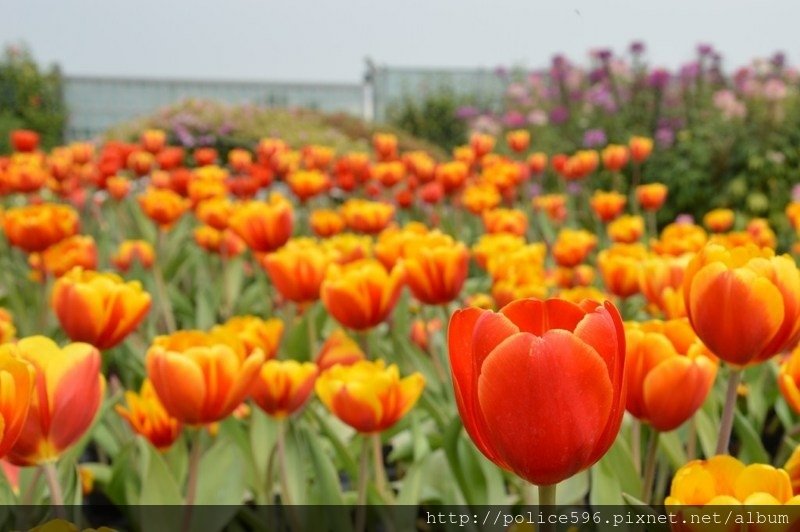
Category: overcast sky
[327,40]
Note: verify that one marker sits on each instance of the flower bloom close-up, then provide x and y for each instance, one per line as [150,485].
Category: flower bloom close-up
[68,391]
[540,385]
[744,303]
[98,308]
[361,294]
[369,395]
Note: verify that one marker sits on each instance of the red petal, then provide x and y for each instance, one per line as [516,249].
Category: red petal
[547,406]
[537,317]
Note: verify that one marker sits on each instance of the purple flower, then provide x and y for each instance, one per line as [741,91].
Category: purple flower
[690,71]
[704,49]
[559,115]
[537,117]
[597,75]
[467,112]
[796,192]
[658,78]
[594,138]
[637,47]
[535,189]
[664,137]
[514,119]
[778,60]
[574,188]
[501,72]
[685,219]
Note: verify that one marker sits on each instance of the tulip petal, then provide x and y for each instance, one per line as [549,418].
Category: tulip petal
[548,404]
[460,340]
[736,313]
[537,317]
[179,384]
[667,410]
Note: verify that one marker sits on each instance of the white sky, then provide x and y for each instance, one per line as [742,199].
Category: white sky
[327,40]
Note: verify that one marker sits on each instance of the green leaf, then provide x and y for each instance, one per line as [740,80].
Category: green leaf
[707,433]
[158,484]
[752,445]
[326,487]
[672,446]
[220,486]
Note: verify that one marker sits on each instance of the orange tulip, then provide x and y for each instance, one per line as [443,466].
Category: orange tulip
[316,157]
[724,480]
[385,145]
[663,357]
[436,274]
[98,308]
[744,303]
[481,144]
[505,221]
[298,269]
[338,349]
[607,205]
[480,197]
[496,244]
[282,387]
[58,259]
[789,379]
[163,206]
[651,197]
[640,147]
[615,157]
[626,229]
[7,330]
[421,331]
[678,239]
[118,187]
[215,212]
[224,243]
[573,246]
[619,265]
[16,393]
[518,140]
[24,140]
[661,283]
[761,233]
[200,383]
[307,184]
[326,222]
[130,251]
[366,216]
[153,140]
[347,247]
[540,386]
[361,294]
[452,175]
[68,391]
[389,173]
[148,418]
[240,159]
[554,205]
[719,220]
[369,396]
[141,162]
[537,162]
[37,227]
[254,334]
[264,225]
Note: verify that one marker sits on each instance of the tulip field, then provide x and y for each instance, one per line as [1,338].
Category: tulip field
[270,328]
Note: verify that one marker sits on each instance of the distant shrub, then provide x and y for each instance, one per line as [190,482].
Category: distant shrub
[30,98]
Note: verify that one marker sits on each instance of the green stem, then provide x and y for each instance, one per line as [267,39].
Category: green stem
[547,495]
[636,444]
[691,439]
[286,498]
[270,473]
[194,470]
[381,481]
[652,225]
[547,502]
[56,494]
[726,423]
[312,333]
[363,479]
[651,459]
[158,274]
